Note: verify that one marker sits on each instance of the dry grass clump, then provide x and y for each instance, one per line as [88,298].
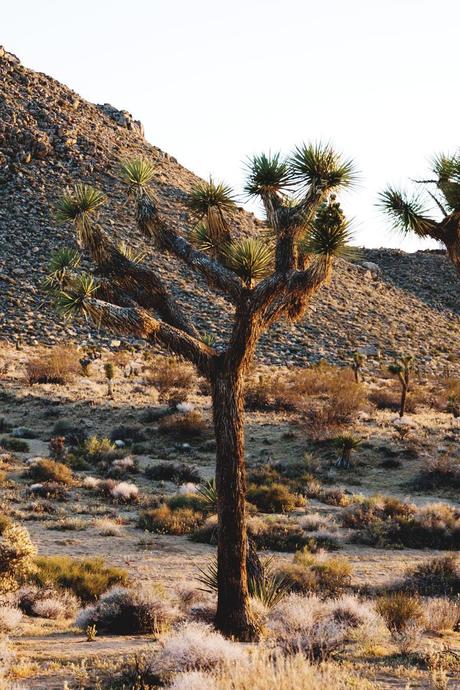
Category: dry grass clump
[99,450]
[399,610]
[10,619]
[178,473]
[441,614]
[87,578]
[267,671]
[107,527]
[164,520]
[173,378]
[389,398]
[47,602]
[316,574]
[274,498]
[58,365]
[183,425]
[386,521]
[123,611]
[280,533]
[441,472]
[46,470]
[17,554]
[438,576]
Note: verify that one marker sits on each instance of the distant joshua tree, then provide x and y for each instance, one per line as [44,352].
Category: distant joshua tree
[265,279]
[441,192]
[402,368]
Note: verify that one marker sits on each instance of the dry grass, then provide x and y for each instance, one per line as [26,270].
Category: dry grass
[58,365]
[185,425]
[173,378]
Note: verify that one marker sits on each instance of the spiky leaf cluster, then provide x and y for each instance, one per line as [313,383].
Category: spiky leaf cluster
[320,166]
[250,258]
[267,175]
[210,194]
[407,213]
[82,200]
[137,172]
[72,300]
[135,256]
[330,233]
[61,264]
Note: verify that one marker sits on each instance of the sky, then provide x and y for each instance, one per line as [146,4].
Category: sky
[214,82]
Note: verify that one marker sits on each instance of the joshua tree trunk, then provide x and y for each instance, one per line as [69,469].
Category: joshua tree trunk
[233,609]
[402,408]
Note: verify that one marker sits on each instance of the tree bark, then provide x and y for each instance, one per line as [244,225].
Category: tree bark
[233,615]
[402,408]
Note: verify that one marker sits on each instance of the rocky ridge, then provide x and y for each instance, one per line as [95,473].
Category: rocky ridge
[51,138]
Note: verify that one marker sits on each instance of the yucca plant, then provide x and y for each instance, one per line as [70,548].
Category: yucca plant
[330,233]
[268,586]
[135,256]
[346,443]
[402,368]
[60,267]
[209,492]
[433,210]
[357,365]
[82,200]
[137,173]
[264,282]
[251,259]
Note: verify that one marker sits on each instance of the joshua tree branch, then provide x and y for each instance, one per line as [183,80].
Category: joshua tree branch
[139,323]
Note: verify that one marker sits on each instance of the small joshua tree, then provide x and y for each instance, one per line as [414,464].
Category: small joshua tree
[263,279]
[85,363]
[357,366]
[416,213]
[109,375]
[402,368]
[346,444]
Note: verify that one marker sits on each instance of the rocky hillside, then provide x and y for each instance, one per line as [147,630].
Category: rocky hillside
[51,138]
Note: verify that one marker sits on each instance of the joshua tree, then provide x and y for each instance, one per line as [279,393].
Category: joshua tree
[109,374]
[415,213]
[402,368]
[264,280]
[357,365]
[347,444]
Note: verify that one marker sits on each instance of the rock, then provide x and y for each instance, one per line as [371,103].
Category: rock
[119,443]
[122,118]
[372,267]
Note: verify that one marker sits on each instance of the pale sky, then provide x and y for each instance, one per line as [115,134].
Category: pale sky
[215,81]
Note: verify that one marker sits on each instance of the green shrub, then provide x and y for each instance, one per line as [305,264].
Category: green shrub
[194,501]
[274,498]
[178,473]
[399,609]
[15,445]
[50,471]
[16,556]
[99,450]
[163,520]
[309,573]
[88,578]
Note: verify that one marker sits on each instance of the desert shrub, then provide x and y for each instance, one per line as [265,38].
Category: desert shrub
[282,534]
[10,619]
[263,475]
[74,435]
[47,602]
[173,472]
[195,646]
[15,445]
[442,472]
[399,610]
[125,492]
[5,522]
[169,375]
[309,573]
[122,467]
[187,425]
[87,578]
[5,427]
[441,614]
[333,496]
[50,471]
[125,611]
[58,365]
[107,527]
[269,392]
[49,490]
[274,498]
[16,556]
[128,434]
[390,398]
[163,520]
[97,450]
[194,501]
[206,533]
[438,576]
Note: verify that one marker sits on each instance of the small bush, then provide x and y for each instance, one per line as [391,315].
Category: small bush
[87,578]
[10,619]
[170,374]
[173,472]
[97,450]
[163,520]
[441,614]
[194,501]
[442,472]
[274,498]
[58,366]
[124,611]
[50,490]
[186,425]
[46,602]
[128,434]
[399,610]
[16,557]
[309,573]
[438,576]
[15,445]
[50,471]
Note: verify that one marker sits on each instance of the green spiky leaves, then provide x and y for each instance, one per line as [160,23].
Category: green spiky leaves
[130,253]
[201,238]
[73,300]
[137,172]
[330,233]
[81,201]
[268,175]
[319,166]
[211,195]
[61,264]
[408,214]
[251,259]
